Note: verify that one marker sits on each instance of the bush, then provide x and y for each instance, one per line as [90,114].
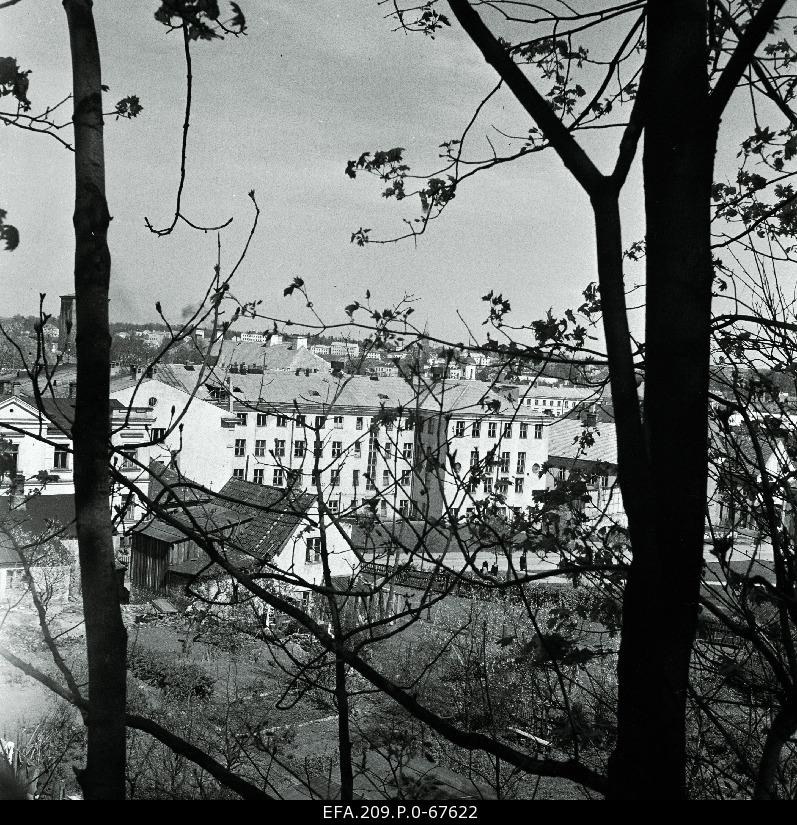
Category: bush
[181,679]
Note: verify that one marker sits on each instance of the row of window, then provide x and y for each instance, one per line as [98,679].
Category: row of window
[504,462]
[300,448]
[320,421]
[492,429]
[61,460]
[541,402]
[279,476]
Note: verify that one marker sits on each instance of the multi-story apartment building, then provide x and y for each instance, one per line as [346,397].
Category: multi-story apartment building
[475,445]
[349,437]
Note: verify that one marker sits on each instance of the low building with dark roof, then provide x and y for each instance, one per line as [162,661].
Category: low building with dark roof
[270,532]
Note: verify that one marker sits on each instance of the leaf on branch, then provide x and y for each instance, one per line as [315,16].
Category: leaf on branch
[14,82]
[9,235]
[128,107]
[238,21]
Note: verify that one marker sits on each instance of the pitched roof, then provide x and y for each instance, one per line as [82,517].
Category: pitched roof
[284,356]
[564,442]
[272,513]
[328,391]
[263,518]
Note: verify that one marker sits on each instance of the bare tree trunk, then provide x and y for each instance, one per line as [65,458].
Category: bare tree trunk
[661,596]
[106,638]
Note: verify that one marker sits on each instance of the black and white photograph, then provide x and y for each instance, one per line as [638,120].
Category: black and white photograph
[398,403]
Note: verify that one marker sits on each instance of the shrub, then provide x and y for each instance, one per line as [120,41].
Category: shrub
[181,679]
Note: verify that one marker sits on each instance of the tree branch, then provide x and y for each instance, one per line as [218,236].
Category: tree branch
[570,152]
[744,54]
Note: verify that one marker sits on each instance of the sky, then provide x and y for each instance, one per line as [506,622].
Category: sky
[281,111]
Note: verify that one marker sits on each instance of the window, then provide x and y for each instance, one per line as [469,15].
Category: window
[503,464]
[238,472]
[300,421]
[357,449]
[152,401]
[338,422]
[334,478]
[299,449]
[385,478]
[560,473]
[318,450]
[315,477]
[383,507]
[313,552]
[358,424]
[337,449]
[406,451]
[476,429]
[521,463]
[518,485]
[388,450]
[409,425]
[355,478]
[488,485]
[282,420]
[320,421]
[128,459]
[474,458]
[260,447]
[158,433]
[61,458]
[406,477]
[258,476]
[279,448]
[403,506]
[242,418]
[262,419]
[388,425]
[508,430]
[278,479]
[538,431]
[535,468]
[524,430]
[459,429]
[604,480]
[492,429]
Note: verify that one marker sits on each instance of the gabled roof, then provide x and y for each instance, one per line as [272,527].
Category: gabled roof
[272,513]
[268,356]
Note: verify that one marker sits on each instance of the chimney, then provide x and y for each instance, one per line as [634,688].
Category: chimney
[16,388]
[276,338]
[66,325]
[301,342]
